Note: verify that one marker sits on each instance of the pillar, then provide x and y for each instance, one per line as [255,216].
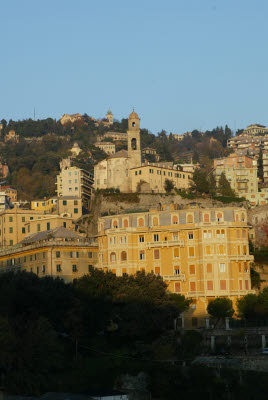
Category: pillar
[263,341]
[212,343]
[207,323]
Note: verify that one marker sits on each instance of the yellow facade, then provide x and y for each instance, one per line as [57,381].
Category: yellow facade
[65,260]
[48,206]
[153,176]
[200,253]
[16,224]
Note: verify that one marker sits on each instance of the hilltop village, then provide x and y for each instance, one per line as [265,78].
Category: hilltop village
[175,222]
[211,184]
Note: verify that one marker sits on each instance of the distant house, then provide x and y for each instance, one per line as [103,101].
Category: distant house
[11,137]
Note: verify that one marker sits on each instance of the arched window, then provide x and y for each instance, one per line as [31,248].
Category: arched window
[175,219]
[113,257]
[222,233]
[236,217]
[155,221]
[141,222]
[125,223]
[115,224]
[205,234]
[217,233]
[190,219]
[244,234]
[124,256]
[206,217]
[134,142]
[219,217]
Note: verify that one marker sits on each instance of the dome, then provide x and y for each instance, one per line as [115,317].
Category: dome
[133,115]
[109,112]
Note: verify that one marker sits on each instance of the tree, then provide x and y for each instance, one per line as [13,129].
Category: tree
[212,184]
[169,185]
[247,306]
[224,187]
[260,166]
[220,308]
[199,183]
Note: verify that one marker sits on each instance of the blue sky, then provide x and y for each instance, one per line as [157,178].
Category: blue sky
[183,64]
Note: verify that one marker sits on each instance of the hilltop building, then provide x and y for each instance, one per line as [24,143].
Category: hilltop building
[200,253]
[110,117]
[107,147]
[256,129]
[11,136]
[124,170]
[10,192]
[70,118]
[57,252]
[75,150]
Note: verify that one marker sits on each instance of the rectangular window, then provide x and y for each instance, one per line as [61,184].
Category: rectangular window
[48,226]
[223,284]
[57,254]
[31,218]
[90,266]
[192,287]
[157,270]
[156,254]
[209,285]
[192,269]
[142,255]
[74,267]
[23,219]
[245,250]
[58,267]
[176,252]
[177,287]
[90,254]
[190,235]
[246,284]
[37,270]
[240,285]
[10,230]
[11,242]
[38,227]
[156,238]
[191,251]
[141,239]
[176,270]
[75,210]
[222,267]
[77,254]
[10,219]
[64,202]
[209,268]
[44,269]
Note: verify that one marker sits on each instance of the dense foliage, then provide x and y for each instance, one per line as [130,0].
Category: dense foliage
[43,322]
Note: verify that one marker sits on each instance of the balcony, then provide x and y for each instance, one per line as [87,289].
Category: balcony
[165,243]
[245,257]
[179,277]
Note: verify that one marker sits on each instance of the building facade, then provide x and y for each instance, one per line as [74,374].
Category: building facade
[107,147]
[68,206]
[256,129]
[57,253]
[110,117]
[73,181]
[11,136]
[200,253]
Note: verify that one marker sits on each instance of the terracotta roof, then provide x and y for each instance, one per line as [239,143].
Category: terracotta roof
[133,115]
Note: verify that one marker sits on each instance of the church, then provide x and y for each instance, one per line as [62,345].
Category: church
[114,171]
[125,170]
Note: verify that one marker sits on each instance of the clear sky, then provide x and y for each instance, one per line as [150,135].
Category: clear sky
[183,64]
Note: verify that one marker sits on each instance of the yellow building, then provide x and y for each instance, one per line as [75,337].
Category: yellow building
[200,253]
[16,224]
[57,253]
[256,129]
[151,177]
[69,206]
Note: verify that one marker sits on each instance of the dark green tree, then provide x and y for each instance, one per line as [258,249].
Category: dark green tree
[199,183]
[212,184]
[169,185]
[220,308]
[224,187]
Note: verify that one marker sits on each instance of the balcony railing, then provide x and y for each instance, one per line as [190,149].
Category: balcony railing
[178,277]
[165,243]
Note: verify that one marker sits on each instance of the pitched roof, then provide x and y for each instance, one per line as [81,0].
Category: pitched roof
[56,233]
[122,153]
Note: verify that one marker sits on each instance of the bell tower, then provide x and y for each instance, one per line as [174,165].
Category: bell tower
[133,137]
